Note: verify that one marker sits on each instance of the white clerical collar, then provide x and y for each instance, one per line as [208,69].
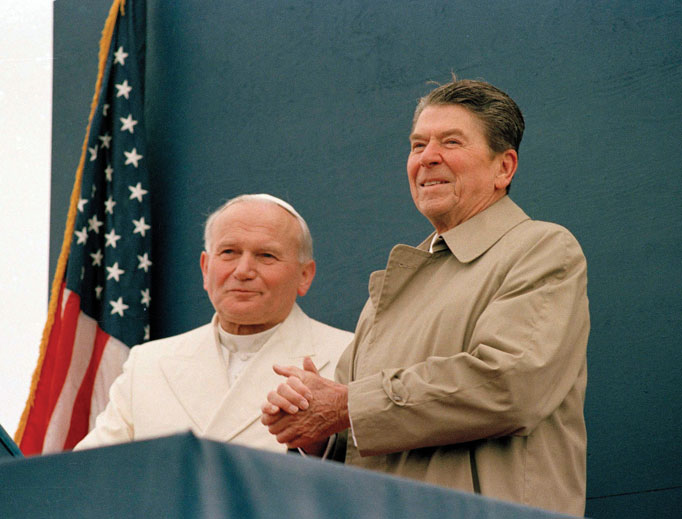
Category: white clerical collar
[245,343]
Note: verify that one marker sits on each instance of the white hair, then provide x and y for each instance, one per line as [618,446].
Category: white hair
[305,246]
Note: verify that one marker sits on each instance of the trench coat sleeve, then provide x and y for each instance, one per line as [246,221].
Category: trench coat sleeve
[341,375]
[524,355]
[115,423]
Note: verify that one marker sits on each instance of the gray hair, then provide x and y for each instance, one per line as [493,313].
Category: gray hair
[500,115]
[305,246]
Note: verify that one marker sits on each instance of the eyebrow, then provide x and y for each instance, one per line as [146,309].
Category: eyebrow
[264,247]
[444,133]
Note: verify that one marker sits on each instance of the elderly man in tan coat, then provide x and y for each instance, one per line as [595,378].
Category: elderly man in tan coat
[212,380]
[468,366]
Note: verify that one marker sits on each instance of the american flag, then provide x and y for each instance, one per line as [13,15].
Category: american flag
[100,297]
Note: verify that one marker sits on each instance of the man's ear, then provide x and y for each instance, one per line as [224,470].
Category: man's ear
[203,263]
[307,276]
[509,161]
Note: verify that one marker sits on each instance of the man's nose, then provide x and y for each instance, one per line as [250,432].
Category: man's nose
[430,155]
[245,268]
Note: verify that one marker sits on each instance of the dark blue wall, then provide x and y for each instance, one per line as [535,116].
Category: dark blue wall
[312,102]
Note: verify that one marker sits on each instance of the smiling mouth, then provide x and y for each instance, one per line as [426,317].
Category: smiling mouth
[434,183]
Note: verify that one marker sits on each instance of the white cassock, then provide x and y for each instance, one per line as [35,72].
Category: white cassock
[187,382]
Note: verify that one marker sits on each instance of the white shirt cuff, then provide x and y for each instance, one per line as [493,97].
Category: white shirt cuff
[327,450]
[352,431]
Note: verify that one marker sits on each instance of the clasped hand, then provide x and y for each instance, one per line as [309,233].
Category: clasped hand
[305,409]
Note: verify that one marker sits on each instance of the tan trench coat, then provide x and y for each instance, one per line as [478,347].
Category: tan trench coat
[181,383]
[468,367]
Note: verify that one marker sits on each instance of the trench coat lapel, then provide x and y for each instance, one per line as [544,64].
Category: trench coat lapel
[197,375]
[403,263]
[240,407]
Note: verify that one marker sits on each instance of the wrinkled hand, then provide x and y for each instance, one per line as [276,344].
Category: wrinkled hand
[292,395]
[306,409]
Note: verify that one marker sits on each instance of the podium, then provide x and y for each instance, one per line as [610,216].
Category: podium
[182,476]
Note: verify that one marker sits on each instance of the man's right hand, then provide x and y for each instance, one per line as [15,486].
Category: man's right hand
[307,409]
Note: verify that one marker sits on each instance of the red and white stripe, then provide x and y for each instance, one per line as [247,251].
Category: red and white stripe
[80,364]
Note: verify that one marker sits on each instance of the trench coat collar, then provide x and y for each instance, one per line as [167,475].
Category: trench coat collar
[198,376]
[472,238]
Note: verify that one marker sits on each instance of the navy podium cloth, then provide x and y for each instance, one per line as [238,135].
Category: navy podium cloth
[182,476]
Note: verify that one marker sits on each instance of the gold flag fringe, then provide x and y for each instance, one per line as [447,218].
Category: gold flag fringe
[104,45]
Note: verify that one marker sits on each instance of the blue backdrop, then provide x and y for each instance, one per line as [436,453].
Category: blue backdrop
[312,102]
